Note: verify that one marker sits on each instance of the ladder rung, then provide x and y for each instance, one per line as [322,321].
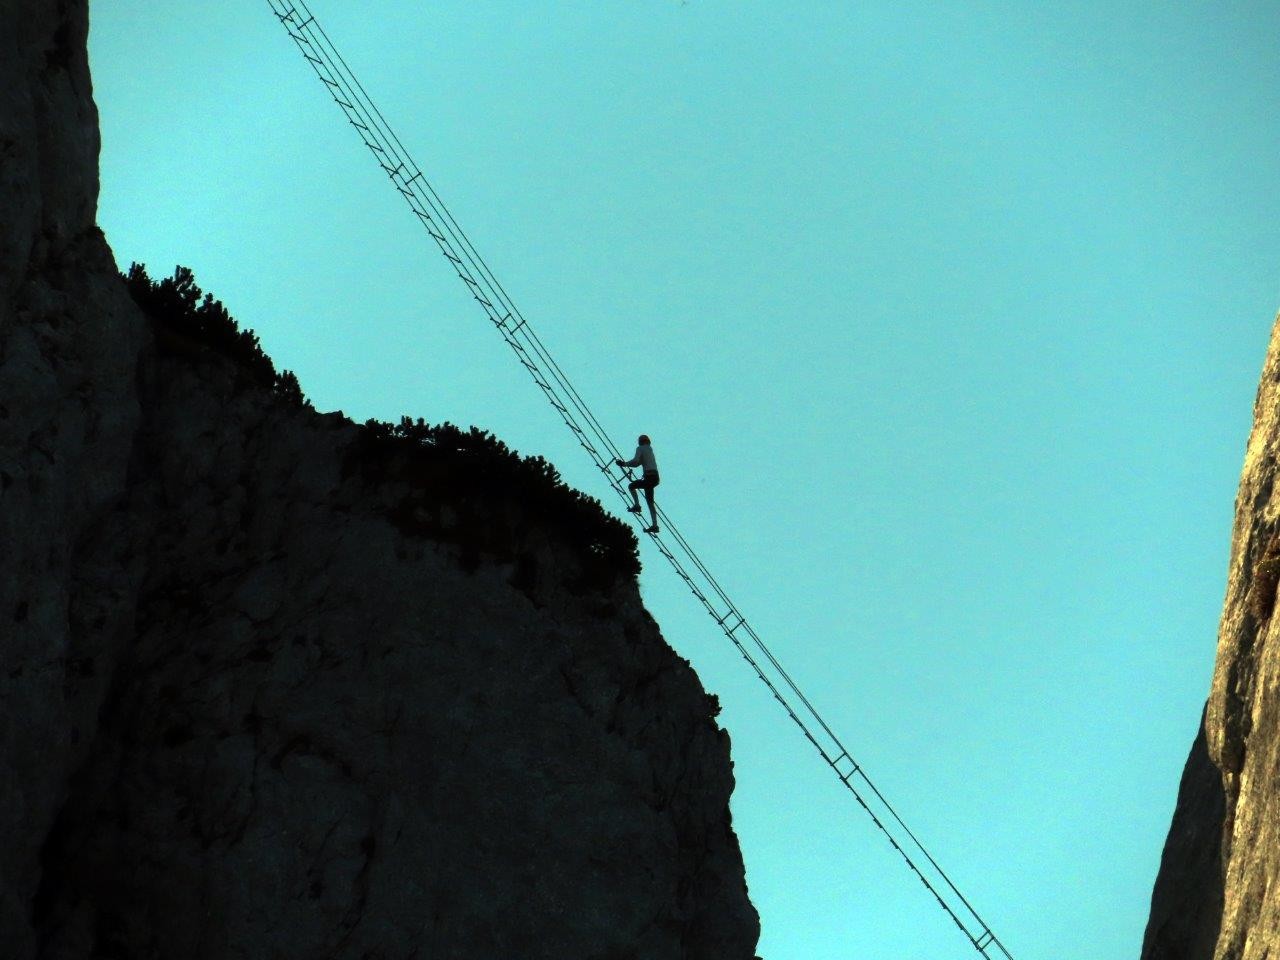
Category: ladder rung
[724,622]
[842,774]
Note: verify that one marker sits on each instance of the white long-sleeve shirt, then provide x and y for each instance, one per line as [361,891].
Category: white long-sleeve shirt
[644,458]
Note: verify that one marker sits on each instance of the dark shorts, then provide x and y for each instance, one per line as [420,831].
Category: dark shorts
[645,483]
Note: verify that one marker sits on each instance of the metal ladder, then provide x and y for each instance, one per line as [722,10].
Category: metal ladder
[409,181]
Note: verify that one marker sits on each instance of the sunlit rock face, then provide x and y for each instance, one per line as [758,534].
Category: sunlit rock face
[1217,896]
[244,710]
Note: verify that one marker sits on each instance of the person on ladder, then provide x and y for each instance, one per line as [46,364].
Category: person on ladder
[644,458]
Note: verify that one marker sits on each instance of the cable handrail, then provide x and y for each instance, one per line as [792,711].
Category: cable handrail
[427,206]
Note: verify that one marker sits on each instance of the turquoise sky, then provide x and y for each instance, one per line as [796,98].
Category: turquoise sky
[945,319]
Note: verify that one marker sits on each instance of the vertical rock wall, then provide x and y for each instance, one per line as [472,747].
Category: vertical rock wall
[69,340]
[1217,896]
[242,713]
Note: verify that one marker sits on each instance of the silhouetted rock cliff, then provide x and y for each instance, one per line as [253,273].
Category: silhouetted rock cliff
[1217,896]
[268,690]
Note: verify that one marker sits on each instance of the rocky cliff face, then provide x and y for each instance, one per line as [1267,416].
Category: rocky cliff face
[245,709]
[1217,896]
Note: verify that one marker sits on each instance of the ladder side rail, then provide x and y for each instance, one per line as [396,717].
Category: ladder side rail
[840,749]
[832,758]
[465,241]
[344,73]
[368,118]
[837,750]
[697,561]
[921,847]
[362,113]
[392,143]
[365,115]
[356,106]
[300,26]
[538,345]
[381,140]
[549,391]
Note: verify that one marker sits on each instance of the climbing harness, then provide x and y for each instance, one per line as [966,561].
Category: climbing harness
[408,179]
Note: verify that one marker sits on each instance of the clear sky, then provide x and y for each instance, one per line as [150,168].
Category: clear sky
[945,319]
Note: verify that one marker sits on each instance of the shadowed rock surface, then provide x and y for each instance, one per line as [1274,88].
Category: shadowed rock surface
[246,709]
[1217,896]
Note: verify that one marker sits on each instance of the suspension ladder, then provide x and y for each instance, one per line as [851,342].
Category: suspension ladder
[407,178]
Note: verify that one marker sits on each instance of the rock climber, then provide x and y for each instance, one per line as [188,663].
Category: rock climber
[649,479]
